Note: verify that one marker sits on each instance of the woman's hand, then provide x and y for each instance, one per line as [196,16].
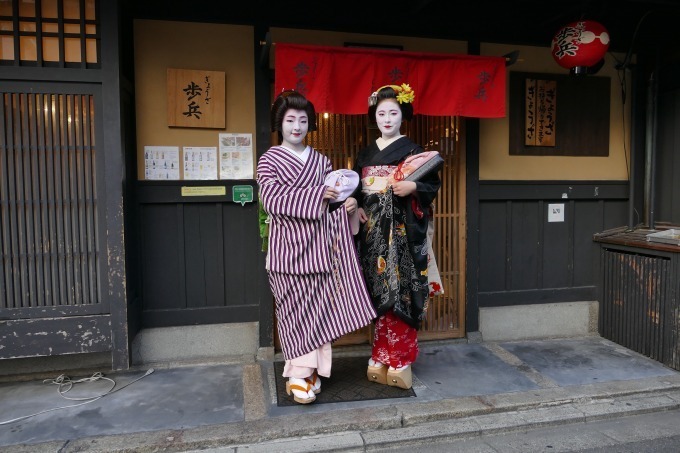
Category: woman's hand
[404,188]
[362,215]
[331,193]
[351,205]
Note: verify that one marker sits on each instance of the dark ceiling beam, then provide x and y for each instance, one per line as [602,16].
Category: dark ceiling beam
[519,22]
[420,5]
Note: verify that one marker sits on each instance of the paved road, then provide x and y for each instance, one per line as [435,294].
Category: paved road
[657,432]
[650,433]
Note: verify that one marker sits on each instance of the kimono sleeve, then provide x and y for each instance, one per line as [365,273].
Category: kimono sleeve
[427,188]
[284,200]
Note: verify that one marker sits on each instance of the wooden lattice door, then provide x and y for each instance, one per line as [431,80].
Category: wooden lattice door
[51,178]
[340,137]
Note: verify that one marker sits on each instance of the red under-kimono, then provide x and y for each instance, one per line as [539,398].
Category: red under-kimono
[312,262]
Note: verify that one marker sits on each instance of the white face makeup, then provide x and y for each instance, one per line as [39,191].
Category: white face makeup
[388,116]
[294,129]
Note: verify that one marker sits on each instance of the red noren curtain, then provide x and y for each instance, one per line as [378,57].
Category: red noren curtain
[340,80]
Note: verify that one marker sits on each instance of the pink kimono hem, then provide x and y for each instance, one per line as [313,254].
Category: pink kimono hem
[304,365]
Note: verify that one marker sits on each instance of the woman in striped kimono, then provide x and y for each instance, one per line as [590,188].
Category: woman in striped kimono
[312,263]
[393,237]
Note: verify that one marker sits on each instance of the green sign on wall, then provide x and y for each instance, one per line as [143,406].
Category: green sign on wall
[242,194]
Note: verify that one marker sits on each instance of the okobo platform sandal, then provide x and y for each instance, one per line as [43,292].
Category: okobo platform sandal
[401,377]
[377,373]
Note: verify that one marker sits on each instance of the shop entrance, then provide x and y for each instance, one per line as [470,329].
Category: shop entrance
[340,137]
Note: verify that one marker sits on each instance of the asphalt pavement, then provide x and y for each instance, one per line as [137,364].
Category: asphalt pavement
[462,391]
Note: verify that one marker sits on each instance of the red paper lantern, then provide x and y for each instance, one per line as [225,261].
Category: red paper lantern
[580,44]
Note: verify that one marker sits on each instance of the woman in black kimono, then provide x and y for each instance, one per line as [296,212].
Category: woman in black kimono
[393,237]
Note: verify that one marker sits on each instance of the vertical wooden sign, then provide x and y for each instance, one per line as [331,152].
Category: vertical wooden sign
[530,112]
[196,98]
[540,112]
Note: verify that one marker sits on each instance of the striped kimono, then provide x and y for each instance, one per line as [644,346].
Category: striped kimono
[312,262]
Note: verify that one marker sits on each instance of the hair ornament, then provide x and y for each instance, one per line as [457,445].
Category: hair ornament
[405,94]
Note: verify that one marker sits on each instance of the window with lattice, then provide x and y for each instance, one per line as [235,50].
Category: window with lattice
[49,33]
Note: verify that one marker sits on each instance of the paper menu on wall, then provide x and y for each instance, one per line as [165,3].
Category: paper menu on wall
[200,162]
[161,162]
[236,156]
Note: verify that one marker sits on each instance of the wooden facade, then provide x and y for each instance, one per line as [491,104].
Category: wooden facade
[668,192]
[198,255]
[62,211]
[529,260]
[84,242]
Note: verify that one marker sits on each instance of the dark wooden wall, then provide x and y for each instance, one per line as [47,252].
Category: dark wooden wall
[524,259]
[199,256]
[668,148]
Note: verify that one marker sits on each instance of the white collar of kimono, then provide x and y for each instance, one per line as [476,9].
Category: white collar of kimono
[382,143]
[303,156]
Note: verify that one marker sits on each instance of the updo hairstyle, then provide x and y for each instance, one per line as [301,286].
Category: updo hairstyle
[287,100]
[389,93]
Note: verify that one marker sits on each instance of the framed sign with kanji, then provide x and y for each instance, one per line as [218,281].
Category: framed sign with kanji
[540,105]
[196,98]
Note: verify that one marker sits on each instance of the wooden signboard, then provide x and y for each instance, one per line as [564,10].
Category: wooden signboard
[540,112]
[583,115]
[196,98]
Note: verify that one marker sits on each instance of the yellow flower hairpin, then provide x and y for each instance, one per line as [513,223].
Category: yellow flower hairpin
[406,94]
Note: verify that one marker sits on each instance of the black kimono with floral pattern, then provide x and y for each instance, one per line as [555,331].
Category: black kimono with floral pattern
[393,242]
